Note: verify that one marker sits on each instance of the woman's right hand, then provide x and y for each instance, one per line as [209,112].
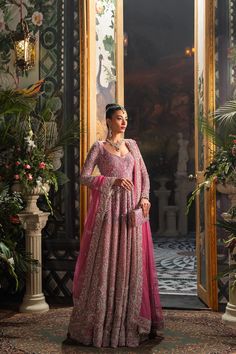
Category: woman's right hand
[125,183]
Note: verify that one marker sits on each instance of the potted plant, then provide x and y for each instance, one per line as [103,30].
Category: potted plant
[31,138]
[222,172]
[31,141]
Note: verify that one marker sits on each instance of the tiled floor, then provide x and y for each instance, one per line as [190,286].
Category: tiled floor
[176,265]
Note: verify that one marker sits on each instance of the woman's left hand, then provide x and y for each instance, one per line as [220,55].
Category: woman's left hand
[145,205]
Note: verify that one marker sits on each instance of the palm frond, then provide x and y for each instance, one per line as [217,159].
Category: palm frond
[68,134]
[227,271]
[4,250]
[210,130]
[225,116]
[12,102]
[229,226]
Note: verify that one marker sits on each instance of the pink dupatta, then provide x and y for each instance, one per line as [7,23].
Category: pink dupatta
[86,237]
[151,305]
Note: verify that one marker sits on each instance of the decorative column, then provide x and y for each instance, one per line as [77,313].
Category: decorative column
[183,188]
[34,220]
[229,317]
[163,195]
[171,229]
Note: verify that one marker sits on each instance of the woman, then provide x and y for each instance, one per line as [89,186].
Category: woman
[115,290]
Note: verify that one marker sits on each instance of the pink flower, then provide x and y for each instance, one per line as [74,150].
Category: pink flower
[27,166]
[17,163]
[29,176]
[17,177]
[7,166]
[42,165]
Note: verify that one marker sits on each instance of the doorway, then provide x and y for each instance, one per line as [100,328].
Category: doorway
[159,97]
[162,61]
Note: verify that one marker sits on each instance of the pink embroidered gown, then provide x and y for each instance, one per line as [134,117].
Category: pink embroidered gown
[115,288]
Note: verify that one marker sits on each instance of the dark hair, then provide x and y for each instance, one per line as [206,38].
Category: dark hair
[113,107]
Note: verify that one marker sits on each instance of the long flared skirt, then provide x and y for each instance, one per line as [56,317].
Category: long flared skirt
[116,299]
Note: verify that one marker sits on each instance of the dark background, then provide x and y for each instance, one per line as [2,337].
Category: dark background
[159,81]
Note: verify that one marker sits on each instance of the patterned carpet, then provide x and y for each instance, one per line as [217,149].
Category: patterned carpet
[198,332]
[176,265]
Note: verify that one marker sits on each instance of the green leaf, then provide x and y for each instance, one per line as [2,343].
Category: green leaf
[61,178]
[5,250]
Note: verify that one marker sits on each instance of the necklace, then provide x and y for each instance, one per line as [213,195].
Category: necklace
[116,145]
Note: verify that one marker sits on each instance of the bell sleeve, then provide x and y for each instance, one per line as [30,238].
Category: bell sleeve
[86,176]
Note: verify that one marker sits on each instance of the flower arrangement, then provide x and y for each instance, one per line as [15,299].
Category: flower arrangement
[32,141]
[222,168]
[30,138]
[28,165]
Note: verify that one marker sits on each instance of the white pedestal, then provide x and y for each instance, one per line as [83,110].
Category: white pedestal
[184,187]
[171,218]
[229,317]
[33,222]
[163,195]
[34,303]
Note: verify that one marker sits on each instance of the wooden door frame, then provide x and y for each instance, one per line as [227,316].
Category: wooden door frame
[209,296]
[88,111]
[87,22]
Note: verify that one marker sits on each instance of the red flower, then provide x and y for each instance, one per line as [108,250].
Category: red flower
[17,163]
[29,176]
[17,177]
[27,166]
[14,219]
[234,141]
[42,165]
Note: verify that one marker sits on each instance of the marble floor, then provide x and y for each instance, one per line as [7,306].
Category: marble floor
[176,265]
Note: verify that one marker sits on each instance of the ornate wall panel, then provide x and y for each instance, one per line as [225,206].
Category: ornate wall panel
[56,25]
[225,75]
[105,61]
[59,64]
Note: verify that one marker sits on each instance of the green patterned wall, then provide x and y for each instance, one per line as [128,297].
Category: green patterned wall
[56,26]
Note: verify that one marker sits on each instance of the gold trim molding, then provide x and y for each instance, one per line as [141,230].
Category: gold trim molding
[88,81]
[209,294]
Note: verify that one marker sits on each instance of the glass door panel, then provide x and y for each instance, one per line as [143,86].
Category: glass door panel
[205,104]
